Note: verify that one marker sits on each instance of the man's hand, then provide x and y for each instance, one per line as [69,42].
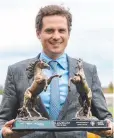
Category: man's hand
[108,132]
[8,133]
[7,129]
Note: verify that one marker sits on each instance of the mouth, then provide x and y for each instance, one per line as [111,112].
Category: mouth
[55,43]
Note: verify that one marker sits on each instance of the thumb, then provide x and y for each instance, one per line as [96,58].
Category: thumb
[9,123]
[108,122]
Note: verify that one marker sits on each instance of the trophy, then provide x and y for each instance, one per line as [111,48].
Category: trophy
[30,119]
[28,116]
[83,117]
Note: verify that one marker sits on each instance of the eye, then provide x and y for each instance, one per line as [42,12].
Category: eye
[49,30]
[62,30]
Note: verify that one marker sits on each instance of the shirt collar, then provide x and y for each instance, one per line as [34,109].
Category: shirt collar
[62,60]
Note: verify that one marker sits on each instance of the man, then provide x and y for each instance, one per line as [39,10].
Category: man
[53,26]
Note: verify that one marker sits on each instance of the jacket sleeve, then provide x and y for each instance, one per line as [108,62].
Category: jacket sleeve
[9,104]
[99,106]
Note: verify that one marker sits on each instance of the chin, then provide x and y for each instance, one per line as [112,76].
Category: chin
[57,52]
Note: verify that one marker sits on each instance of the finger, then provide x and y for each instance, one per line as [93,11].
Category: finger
[110,125]
[9,123]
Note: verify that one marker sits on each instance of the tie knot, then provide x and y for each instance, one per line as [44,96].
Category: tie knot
[53,65]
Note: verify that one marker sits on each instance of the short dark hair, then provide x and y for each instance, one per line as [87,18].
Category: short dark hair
[53,10]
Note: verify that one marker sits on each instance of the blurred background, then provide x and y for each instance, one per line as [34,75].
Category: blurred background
[91,37]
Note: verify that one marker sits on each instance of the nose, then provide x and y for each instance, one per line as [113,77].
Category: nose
[56,36]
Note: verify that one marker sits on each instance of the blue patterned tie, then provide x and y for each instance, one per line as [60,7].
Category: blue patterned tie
[54,90]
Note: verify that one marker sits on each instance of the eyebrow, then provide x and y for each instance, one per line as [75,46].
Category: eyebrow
[48,29]
[51,29]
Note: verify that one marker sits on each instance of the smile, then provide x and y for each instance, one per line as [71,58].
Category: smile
[53,43]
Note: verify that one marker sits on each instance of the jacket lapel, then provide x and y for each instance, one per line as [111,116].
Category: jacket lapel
[73,68]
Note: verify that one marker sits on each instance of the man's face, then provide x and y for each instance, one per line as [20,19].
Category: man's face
[54,35]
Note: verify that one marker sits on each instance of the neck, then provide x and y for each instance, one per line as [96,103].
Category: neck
[53,56]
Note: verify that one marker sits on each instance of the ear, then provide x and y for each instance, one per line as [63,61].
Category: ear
[38,34]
